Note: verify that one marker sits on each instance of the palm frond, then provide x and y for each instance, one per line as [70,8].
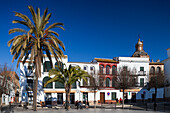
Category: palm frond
[55,25]
[17,30]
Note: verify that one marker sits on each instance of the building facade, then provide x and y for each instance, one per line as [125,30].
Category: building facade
[104,70]
[9,87]
[167,75]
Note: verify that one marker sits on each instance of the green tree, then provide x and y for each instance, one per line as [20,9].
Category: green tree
[67,76]
[36,40]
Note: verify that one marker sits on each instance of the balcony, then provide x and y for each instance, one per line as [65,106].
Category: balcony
[142,73]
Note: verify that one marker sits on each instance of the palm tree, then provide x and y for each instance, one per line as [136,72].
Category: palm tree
[67,77]
[35,41]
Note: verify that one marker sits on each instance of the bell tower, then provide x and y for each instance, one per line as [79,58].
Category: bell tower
[139,45]
[139,50]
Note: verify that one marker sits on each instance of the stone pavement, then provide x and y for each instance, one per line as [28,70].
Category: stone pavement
[105,108]
[98,110]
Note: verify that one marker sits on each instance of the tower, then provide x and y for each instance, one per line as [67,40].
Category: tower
[139,50]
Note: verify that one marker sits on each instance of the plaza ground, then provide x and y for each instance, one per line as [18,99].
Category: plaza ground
[98,110]
[107,108]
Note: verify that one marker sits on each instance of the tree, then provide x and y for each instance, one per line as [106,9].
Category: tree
[4,73]
[95,85]
[67,76]
[125,80]
[156,81]
[9,80]
[36,40]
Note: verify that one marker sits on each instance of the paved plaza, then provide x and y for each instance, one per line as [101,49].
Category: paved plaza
[138,108]
[88,111]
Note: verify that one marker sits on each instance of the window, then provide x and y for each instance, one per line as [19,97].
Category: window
[59,85]
[74,85]
[91,68]
[47,66]
[113,82]
[30,84]
[84,83]
[158,70]
[141,68]
[107,82]
[59,65]
[125,68]
[114,69]
[107,69]
[101,67]
[113,94]
[30,68]
[152,70]
[141,82]
[85,68]
[101,81]
[50,85]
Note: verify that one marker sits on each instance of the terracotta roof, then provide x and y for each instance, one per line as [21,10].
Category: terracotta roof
[83,62]
[156,63]
[105,60]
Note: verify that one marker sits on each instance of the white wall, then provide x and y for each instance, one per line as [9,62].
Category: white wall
[148,94]
[167,73]
[134,63]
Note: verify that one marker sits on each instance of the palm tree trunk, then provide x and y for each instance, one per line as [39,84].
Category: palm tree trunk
[35,94]
[37,74]
[123,99]
[68,98]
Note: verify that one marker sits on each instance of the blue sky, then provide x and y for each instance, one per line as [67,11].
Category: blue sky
[97,28]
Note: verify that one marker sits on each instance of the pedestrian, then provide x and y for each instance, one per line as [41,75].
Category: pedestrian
[64,105]
[77,104]
[116,100]
[87,104]
[80,105]
[120,100]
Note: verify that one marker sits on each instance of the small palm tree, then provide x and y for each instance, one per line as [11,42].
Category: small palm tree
[67,77]
[35,41]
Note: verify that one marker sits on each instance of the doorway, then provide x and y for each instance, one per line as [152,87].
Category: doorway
[102,97]
[72,98]
[85,97]
[133,97]
[48,99]
[59,98]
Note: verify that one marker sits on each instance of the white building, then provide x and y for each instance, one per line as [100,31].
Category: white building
[102,69]
[167,75]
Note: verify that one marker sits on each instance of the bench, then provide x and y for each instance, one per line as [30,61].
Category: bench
[110,101]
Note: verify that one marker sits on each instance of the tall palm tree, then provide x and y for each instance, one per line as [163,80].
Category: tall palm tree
[67,77]
[36,40]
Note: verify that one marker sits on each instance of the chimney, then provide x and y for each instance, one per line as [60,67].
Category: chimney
[168,52]
[158,60]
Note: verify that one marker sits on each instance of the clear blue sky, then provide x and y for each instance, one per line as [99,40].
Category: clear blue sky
[97,28]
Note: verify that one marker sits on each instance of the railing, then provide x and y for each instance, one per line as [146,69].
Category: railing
[141,72]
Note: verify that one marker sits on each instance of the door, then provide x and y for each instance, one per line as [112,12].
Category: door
[72,98]
[59,98]
[48,99]
[85,97]
[102,97]
[133,97]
